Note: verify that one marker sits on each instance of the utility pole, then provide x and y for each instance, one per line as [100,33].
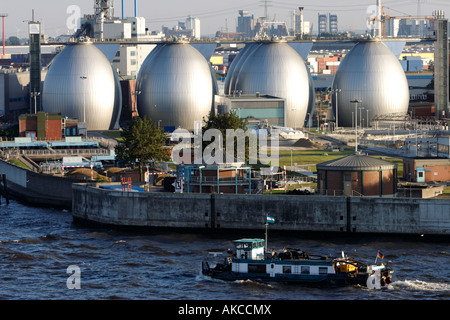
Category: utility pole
[336,91]
[356,101]
[3,16]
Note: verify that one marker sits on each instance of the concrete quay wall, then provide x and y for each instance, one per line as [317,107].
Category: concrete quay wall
[37,189]
[247,212]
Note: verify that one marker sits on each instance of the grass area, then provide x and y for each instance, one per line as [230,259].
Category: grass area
[113,134]
[446,190]
[18,163]
[310,158]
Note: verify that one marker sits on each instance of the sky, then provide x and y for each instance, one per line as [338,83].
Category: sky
[214,15]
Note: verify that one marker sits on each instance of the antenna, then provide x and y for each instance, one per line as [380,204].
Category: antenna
[266,6]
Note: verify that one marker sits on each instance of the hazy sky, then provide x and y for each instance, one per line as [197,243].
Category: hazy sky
[214,15]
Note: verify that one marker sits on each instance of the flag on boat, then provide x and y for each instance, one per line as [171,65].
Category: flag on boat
[270,219]
[380,255]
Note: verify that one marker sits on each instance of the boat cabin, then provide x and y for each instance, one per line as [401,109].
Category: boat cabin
[249,249]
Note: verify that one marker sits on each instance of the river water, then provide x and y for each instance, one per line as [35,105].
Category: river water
[38,245]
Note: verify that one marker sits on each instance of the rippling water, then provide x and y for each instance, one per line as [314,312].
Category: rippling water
[38,245]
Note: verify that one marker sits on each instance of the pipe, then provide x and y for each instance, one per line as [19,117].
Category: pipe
[135,8]
[122,11]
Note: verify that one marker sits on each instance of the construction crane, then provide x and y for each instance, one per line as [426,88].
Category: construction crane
[388,17]
[3,15]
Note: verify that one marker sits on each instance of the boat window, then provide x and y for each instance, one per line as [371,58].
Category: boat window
[305,270]
[287,269]
[256,268]
[323,270]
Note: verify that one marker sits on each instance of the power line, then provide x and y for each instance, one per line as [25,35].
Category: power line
[207,14]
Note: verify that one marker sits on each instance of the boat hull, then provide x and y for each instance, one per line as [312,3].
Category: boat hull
[310,280]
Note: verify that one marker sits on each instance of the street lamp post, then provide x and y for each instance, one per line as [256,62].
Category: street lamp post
[337,109]
[34,94]
[360,117]
[356,101]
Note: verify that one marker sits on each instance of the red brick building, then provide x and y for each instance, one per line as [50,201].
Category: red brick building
[426,169]
[46,126]
[357,175]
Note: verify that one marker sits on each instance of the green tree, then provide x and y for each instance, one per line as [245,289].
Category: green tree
[225,121]
[13,41]
[142,141]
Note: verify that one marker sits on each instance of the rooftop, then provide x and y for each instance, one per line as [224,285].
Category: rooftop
[357,161]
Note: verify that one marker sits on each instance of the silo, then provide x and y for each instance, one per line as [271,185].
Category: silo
[81,84]
[273,68]
[369,73]
[175,86]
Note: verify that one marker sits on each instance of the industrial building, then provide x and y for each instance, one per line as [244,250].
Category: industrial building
[327,23]
[299,26]
[256,108]
[357,175]
[232,177]
[104,25]
[129,59]
[428,169]
[44,126]
[245,24]
[14,93]
[190,29]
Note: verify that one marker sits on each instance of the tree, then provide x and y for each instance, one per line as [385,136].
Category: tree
[142,141]
[225,121]
[13,41]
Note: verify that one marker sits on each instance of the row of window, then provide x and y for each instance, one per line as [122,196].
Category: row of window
[261,268]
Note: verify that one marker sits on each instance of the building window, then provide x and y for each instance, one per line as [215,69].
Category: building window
[133,62]
[133,53]
[287,269]
[323,270]
[305,270]
[257,268]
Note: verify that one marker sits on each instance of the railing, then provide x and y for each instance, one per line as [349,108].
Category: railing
[337,193]
[214,180]
[52,152]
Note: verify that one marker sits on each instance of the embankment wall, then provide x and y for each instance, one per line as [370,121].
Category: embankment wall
[37,189]
[234,211]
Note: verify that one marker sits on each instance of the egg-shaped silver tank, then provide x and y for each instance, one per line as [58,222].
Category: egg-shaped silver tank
[272,68]
[372,74]
[175,86]
[81,84]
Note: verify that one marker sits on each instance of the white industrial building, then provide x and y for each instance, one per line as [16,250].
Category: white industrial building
[129,58]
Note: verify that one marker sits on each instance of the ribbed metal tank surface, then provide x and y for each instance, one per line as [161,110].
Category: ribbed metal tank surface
[273,68]
[81,83]
[175,86]
[371,73]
